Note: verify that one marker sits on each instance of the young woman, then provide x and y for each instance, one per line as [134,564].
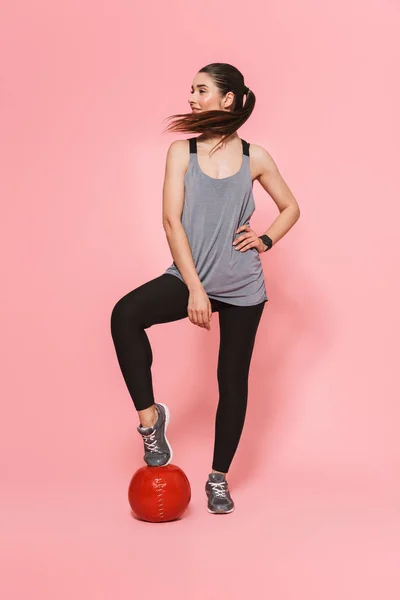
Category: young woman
[207,205]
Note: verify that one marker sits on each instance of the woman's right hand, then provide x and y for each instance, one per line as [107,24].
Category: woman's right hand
[199,308]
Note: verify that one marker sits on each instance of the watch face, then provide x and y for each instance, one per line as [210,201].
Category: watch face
[265,242]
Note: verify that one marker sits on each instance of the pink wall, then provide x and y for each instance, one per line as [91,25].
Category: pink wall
[85,89]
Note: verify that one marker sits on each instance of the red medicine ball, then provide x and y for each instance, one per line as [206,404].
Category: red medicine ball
[159,493]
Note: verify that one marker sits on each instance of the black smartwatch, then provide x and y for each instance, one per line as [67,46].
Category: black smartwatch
[267,241]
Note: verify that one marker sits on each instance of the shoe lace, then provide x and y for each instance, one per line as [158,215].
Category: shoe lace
[150,442]
[220,488]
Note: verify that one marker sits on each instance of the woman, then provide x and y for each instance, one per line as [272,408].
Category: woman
[207,205]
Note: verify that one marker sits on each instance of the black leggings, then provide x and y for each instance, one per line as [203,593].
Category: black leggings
[165,299]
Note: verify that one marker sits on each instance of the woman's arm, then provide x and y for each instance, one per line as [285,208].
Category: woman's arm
[173,197]
[267,173]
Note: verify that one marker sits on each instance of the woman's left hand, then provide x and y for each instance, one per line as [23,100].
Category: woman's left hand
[249,239]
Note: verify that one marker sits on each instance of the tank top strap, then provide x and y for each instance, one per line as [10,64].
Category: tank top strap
[246,148]
[193,146]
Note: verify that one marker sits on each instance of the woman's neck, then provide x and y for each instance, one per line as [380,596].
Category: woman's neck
[211,139]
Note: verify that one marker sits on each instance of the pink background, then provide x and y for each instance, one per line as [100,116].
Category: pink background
[85,89]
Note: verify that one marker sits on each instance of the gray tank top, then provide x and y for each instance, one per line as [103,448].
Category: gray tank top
[213,210]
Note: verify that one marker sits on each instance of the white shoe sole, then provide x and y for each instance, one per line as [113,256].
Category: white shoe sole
[220,512]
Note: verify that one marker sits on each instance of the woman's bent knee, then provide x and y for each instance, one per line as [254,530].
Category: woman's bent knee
[126,310]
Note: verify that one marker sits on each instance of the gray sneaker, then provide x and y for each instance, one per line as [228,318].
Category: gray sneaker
[219,498]
[158,452]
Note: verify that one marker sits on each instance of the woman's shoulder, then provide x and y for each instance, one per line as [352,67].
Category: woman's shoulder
[260,156]
[261,160]
[257,150]
[178,156]
[178,146]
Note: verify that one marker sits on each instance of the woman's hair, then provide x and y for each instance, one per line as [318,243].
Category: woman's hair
[227,79]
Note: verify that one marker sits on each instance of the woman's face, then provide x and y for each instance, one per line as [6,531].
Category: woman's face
[204,95]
